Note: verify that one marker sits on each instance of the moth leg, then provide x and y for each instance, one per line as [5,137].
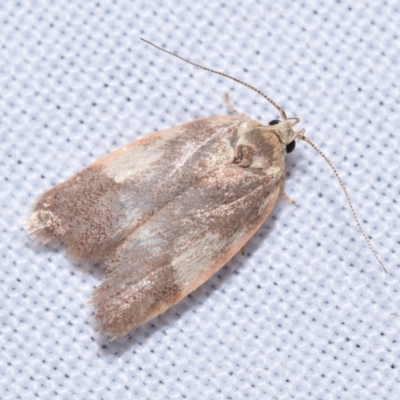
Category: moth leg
[282,191]
[231,109]
[243,251]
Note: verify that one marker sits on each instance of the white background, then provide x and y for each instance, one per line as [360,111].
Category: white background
[307,313]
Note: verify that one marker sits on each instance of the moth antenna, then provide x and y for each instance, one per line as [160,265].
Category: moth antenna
[281,111]
[306,139]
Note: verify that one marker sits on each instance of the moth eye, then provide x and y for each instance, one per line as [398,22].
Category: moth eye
[274,122]
[290,147]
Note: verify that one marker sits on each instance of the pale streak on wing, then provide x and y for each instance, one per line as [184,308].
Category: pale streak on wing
[182,245]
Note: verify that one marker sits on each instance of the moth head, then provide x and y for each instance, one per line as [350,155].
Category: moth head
[260,146]
[286,134]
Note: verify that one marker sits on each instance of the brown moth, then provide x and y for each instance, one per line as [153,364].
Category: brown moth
[167,211]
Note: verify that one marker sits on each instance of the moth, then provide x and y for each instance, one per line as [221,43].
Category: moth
[164,213]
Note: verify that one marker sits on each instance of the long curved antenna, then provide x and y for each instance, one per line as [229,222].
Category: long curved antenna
[307,140]
[281,111]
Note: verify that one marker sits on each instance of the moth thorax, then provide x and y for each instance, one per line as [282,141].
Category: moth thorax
[257,146]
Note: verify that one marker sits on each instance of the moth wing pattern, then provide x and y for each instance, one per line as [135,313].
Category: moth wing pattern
[166,212]
[177,250]
[102,204]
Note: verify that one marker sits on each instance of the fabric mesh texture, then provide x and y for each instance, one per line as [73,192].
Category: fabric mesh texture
[307,312]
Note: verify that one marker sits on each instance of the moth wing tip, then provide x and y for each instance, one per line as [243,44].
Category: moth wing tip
[36,229]
[108,326]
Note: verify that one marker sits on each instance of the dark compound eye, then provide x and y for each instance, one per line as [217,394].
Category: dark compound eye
[290,147]
[274,122]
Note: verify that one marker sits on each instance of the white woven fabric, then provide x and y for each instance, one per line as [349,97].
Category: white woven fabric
[307,313]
